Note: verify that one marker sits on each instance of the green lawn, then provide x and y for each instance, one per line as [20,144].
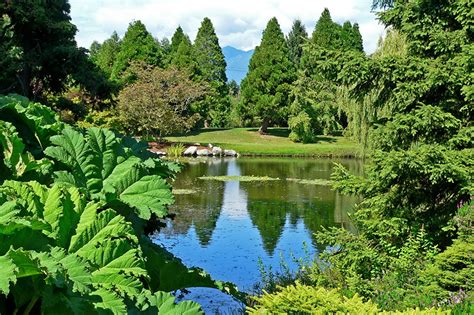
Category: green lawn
[247,141]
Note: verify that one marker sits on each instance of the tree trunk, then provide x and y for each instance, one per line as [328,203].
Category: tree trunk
[264,127]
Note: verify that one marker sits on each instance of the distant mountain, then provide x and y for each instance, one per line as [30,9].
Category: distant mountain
[237,63]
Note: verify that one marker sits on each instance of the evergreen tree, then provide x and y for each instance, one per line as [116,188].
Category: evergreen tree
[327,34]
[209,54]
[94,49]
[184,58]
[137,45]
[177,38]
[212,66]
[266,88]
[296,39]
[40,38]
[330,35]
[165,46]
[104,56]
[357,42]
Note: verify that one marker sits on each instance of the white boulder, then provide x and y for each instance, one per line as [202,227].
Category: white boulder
[230,153]
[190,151]
[216,151]
[203,152]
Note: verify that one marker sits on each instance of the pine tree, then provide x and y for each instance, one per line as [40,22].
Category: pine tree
[137,45]
[266,88]
[296,39]
[212,66]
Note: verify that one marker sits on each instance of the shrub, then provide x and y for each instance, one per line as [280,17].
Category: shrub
[302,299]
[301,129]
[175,150]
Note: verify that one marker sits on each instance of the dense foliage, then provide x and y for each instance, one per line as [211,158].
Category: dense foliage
[137,45]
[265,90]
[75,206]
[160,101]
[295,41]
[212,65]
[37,39]
[411,105]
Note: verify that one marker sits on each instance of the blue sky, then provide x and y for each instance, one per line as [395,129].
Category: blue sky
[237,23]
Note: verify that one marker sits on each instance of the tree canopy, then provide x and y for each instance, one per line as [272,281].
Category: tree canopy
[137,45]
[266,88]
[295,40]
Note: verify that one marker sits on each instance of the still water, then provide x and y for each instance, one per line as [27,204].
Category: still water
[226,228]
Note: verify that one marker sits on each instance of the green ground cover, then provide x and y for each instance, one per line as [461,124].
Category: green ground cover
[247,141]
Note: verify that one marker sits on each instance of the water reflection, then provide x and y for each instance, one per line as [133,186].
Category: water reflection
[225,227]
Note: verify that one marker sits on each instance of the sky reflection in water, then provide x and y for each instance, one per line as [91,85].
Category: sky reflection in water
[226,227]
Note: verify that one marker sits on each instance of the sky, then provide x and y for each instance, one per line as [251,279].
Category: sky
[238,23]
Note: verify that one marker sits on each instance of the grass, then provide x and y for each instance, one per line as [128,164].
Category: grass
[239,178]
[247,141]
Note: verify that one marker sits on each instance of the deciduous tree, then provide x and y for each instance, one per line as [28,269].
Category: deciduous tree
[159,101]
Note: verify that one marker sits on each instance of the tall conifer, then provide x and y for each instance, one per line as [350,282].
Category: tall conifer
[137,45]
[212,66]
[266,88]
[296,39]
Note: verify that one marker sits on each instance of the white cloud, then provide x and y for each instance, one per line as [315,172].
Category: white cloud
[237,23]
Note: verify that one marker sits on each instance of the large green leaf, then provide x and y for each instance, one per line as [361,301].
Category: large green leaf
[99,162]
[34,122]
[165,303]
[72,150]
[16,161]
[8,273]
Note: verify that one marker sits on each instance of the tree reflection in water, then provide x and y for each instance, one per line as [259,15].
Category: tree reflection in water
[225,227]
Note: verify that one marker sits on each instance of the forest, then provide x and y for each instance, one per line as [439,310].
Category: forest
[81,194]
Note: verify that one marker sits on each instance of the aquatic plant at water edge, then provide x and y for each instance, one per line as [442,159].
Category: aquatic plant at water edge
[239,178]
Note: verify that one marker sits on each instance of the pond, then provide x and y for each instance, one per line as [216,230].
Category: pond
[227,227]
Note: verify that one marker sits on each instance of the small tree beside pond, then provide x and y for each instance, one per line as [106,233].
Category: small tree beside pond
[159,101]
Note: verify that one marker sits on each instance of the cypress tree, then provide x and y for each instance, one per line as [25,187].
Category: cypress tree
[296,39]
[137,45]
[212,66]
[266,88]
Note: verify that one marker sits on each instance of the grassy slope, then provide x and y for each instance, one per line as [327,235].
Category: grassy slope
[247,141]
